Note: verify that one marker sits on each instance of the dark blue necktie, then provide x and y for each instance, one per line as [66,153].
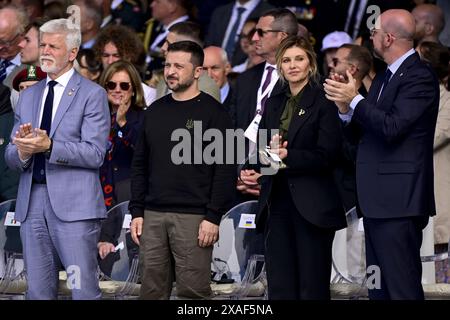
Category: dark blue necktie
[387,77]
[3,65]
[46,124]
[231,42]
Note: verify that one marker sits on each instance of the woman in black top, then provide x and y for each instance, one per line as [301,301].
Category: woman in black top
[300,209]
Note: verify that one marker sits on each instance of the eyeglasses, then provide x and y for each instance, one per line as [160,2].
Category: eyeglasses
[7,43]
[373,31]
[262,32]
[111,85]
[336,61]
[247,36]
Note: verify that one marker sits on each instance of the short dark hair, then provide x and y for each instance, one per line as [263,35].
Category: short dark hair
[36,24]
[197,55]
[284,20]
[361,55]
[92,64]
[188,30]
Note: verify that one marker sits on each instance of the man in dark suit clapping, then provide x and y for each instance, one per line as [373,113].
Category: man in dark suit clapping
[394,167]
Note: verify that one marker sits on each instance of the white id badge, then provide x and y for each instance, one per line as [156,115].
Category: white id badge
[10,221]
[126,221]
[247,221]
[252,131]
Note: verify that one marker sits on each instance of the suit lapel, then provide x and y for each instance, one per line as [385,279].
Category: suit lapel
[375,89]
[303,112]
[278,88]
[279,102]
[397,77]
[69,93]
[224,24]
[37,96]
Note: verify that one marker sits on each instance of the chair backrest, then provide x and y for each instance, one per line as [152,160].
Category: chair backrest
[348,252]
[122,267]
[11,263]
[238,241]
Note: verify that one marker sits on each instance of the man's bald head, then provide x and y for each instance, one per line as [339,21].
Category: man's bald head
[430,22]
[399,23]
[393,34]
[216,65]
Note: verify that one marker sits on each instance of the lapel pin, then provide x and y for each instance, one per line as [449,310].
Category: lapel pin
[301,112]
[71,92]
[401,74]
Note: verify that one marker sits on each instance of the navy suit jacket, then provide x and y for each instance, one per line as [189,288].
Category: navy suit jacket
[394,167]
[219,24]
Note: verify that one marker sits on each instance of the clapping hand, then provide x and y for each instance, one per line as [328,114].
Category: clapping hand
[340,91]
[121,113]
[30,141]
[248,182]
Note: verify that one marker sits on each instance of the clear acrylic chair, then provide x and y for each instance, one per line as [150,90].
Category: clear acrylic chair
[238,261]
[348,259]
[12,273]
[349,262]
[123,280]
[349,268]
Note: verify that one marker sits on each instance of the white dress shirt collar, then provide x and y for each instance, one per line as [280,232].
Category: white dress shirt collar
[62,79]
[224,92]
[249,5]
[397,63]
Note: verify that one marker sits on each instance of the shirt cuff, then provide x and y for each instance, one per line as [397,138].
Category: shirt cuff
[213,217]
[26,163]
[137,212]
[347,117]
[355,101]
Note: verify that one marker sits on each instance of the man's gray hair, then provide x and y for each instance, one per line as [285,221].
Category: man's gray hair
[66,27]
[224,56]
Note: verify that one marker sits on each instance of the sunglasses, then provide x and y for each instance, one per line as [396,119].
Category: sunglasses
[335,61]
[262,32]
[111,85]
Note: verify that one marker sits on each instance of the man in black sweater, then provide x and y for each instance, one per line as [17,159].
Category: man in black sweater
[178,194]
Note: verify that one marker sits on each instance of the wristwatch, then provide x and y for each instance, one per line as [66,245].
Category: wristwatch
[48,152]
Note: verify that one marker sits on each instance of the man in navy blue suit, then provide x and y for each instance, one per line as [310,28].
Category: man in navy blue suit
[394,168]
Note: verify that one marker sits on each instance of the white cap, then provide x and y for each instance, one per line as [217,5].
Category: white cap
[335,40]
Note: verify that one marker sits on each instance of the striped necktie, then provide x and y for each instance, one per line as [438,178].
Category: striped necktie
[3,66]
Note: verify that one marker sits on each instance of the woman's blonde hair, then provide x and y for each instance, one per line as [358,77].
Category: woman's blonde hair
[137,100]
[305,45]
